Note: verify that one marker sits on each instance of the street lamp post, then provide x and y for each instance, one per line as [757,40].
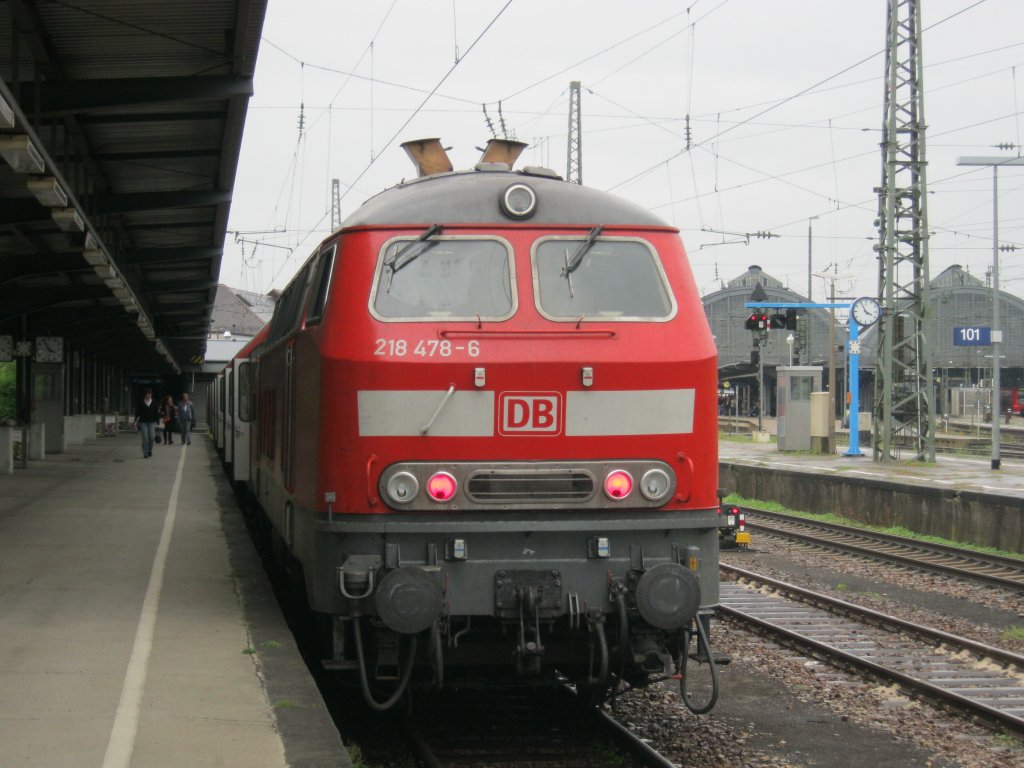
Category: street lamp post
[789,341]
[997,334]
[809,351]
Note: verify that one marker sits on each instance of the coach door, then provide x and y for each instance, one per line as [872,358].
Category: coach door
[219,412]
[243,389]
[229,416]
[289,414]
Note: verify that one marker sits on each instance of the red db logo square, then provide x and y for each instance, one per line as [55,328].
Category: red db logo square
[530,413]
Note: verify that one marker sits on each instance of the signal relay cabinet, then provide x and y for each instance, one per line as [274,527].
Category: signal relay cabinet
[794,387]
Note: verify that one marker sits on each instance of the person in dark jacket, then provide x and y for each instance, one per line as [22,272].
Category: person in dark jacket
[187,418]
[147,414]
[169,418]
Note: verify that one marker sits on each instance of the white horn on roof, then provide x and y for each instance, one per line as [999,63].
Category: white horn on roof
[428,156]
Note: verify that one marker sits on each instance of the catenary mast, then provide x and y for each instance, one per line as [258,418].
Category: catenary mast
[904,403]
[574,162]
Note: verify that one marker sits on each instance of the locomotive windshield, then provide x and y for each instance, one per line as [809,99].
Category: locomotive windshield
[616,279]
[456,278]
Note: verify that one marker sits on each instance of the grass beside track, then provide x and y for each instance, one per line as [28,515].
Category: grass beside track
[829,517]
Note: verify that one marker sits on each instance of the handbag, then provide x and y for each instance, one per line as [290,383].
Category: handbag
[159,439]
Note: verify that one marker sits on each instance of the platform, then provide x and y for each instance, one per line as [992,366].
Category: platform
[136,625]
[955,498]
[957,472]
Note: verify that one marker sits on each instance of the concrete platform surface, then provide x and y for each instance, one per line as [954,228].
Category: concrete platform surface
[956,472]
[126,626]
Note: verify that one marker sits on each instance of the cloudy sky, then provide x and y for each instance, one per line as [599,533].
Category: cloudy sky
[784,98]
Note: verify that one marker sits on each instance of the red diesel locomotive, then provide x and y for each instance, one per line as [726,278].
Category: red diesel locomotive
[485,429]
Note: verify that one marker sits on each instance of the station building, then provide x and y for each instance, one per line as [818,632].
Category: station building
[957,299]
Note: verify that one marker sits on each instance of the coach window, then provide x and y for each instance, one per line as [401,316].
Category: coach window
[454,278]
[287,313]
[321,284]
[612,279]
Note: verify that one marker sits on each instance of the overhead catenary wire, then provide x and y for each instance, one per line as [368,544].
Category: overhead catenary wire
[350,185]
[838,133]
[790,98]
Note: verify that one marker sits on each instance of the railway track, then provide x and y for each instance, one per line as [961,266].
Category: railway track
[1007,450]
[522,729]
[1006,572]
[983,681]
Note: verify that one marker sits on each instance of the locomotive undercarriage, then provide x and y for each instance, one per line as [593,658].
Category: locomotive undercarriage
[423,604]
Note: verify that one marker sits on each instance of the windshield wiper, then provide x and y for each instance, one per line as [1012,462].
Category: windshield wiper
[394,264]
[581,251]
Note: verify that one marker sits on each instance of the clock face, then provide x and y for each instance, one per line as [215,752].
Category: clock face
[6,349]
[23,348]
[49,349]
[866,311]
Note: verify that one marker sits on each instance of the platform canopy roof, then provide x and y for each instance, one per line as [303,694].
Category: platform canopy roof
[120,129]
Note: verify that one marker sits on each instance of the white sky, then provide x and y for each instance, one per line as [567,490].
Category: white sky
[785,100]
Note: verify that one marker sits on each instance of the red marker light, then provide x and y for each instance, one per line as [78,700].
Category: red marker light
[442,486]
[618,484]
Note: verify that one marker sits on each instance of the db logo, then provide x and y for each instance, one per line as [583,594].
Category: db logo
[530,412]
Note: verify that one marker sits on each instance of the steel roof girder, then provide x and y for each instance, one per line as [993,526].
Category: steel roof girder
[76,97]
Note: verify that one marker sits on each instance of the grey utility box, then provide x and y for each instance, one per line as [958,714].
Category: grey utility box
[795,385]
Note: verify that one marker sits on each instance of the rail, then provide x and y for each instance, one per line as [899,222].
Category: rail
[1004,571]
[928,663]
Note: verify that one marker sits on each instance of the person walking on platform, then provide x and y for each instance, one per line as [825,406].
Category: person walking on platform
[146,416]
[187,418]
[169,418]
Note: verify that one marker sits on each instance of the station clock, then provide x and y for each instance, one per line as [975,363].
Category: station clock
[866,311]
[49,349]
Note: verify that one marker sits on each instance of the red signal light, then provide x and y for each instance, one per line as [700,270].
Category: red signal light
[618,484]
[441,486]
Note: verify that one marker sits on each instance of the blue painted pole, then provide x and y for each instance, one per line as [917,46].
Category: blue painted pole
[854,449]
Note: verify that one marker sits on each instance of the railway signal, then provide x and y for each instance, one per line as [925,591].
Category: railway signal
[762,321]
[758,321]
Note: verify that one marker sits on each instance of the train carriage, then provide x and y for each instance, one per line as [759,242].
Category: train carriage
[240,410]
[486,431]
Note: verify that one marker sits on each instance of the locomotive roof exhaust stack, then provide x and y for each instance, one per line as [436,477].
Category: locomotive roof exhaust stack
[428,156]
[504,151]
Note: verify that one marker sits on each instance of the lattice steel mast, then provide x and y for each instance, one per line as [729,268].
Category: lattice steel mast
[574,162]
[335,204]
[904,405]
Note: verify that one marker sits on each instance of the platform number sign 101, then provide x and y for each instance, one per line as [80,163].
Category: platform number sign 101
[972,336]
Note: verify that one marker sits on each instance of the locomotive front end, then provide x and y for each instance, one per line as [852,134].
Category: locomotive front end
[522,462]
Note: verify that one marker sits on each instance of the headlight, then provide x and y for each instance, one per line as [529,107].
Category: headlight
[402,487]
[618,484]
[441,486]
[655,484]
[518,201]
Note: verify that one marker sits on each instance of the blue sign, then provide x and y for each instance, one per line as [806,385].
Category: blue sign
[972,336]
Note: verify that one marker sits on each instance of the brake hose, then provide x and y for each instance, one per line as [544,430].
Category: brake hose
[403,682]
[435,641]
[705,643]
[602,675]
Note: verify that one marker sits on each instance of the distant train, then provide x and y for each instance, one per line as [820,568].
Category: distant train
[1010,400]
[482,424]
